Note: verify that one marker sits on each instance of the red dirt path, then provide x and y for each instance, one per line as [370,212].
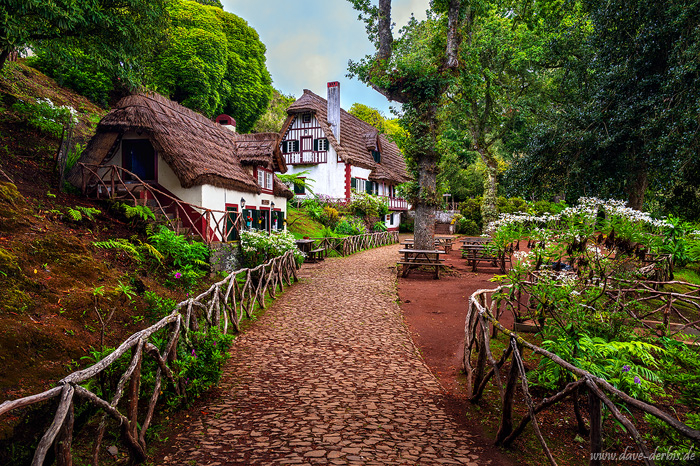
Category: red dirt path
[435,311]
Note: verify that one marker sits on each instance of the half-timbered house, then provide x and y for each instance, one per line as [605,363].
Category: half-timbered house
[342,152]
[205,169]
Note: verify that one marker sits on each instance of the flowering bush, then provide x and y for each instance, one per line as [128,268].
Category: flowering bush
[47,117]
[367,205]
[259,246]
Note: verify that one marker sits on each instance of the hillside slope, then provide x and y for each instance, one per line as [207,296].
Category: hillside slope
[55,285]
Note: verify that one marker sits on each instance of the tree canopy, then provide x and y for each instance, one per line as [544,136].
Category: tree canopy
[213,62]
[116,33]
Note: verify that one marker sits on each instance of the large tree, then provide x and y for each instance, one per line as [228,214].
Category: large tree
[626,124]
[415,69]
[116,32]
[213,62]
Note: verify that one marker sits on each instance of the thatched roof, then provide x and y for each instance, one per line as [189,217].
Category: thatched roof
[357,140]
[198,150]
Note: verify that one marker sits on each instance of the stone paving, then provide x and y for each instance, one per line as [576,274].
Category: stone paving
[329,375]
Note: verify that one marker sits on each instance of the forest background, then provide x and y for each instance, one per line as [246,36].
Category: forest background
[549,99]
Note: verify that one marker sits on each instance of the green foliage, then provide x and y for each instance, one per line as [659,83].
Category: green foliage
[272,120]
[259,247]
[201,365]
[121,244]
[137,212]
[117,34]
[189,258]
[297,179]
[674,448]
[350,226]
[44,116]
[213,62]
[330,217]
[73,68]
[379,226]
[81,212]
[313,208]
[158,307]
[74,155]
[367,205]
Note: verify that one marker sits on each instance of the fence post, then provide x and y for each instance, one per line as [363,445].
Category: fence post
[596,436]
[65,439]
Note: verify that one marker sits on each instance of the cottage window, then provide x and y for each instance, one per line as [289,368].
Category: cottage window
[321,145]
[306,118]
[358,184]
[300,189]
[290,146]
[377,156]
[265,179]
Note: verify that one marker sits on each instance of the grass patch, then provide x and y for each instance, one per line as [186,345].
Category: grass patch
[300,224]
[690,274]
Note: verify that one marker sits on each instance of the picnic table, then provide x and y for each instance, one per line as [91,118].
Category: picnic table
[413,258]
[444,242]
[307,247]
[476,253]
[467,240]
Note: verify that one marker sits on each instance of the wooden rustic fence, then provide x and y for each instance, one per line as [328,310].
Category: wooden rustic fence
[482,324]
[222,306]
[352,244]
[115,182]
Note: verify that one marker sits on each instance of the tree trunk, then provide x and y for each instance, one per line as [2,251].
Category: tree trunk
[489,211]
[638,185]
[424,228]
[3,57]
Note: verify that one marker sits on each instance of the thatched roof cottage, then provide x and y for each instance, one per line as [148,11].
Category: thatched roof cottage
[342,152]
[191,158]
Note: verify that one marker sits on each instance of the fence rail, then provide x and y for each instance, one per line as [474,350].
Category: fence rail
[222,306]
[484,310]
[352,244]
[108,181]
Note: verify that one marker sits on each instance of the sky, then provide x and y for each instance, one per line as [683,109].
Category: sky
[309,43]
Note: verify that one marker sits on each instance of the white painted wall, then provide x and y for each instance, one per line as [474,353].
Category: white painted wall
[208,196]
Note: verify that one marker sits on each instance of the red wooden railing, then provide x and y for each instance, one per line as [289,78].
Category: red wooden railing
[108,182]
[300,158]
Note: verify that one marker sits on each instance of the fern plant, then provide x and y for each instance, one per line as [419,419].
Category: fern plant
[81,212]
[138,212]
[121,244]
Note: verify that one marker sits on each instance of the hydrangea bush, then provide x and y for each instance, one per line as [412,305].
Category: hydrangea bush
[259,247]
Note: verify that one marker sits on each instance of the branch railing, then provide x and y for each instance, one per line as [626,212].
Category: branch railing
[482,322]
[352,244]
[109,181]
[222,306]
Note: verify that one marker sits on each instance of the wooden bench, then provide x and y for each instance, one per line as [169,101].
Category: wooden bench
[315,255]
[414,258]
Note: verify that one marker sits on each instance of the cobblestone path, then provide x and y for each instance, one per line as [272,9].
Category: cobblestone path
[329,375]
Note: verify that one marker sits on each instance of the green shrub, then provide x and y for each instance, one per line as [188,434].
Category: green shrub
[158,307]
[379,226]
[201,365]
[189,258]
[350,226]
[367,205]
[329,217]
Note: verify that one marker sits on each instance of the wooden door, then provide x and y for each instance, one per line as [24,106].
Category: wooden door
[307,148]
